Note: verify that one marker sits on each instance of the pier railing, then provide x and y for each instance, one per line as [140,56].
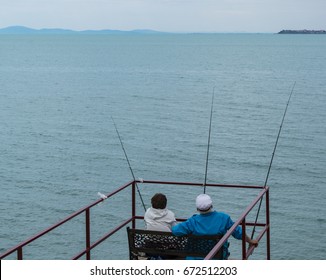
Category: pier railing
[89,246]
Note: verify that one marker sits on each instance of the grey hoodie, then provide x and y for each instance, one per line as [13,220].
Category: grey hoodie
[159,219]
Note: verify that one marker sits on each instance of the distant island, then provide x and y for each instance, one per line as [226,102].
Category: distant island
[27,30]
[302,32]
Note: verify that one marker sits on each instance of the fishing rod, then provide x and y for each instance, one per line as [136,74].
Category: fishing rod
[270,164]
[209,140]
[132,173]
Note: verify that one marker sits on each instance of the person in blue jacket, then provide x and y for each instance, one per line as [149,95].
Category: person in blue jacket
[209,222]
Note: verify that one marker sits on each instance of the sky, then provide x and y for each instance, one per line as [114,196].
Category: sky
[166,15]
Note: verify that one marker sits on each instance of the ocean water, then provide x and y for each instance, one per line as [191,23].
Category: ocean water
[58,145]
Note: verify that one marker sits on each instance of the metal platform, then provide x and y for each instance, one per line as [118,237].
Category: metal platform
[264,227]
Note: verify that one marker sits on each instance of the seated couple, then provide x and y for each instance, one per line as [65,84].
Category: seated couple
[206,222]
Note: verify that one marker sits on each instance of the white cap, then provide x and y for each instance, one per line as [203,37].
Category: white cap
[203,202]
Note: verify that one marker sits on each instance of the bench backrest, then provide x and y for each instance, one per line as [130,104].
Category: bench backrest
[158,243]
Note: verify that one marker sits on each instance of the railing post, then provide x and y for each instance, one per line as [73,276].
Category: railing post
[244,249]
[20,253]
[133,204]
[268,235]
[88,234]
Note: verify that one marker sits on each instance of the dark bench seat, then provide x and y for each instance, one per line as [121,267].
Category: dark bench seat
[146,244]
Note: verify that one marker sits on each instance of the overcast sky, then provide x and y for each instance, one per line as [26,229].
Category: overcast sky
[166,15]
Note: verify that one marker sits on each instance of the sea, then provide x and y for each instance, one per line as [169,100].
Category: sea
[60,94]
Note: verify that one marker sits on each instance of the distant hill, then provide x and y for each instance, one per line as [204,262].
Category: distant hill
[302,32]
[26,30]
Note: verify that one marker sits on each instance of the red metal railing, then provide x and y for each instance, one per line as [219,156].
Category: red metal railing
[132,219]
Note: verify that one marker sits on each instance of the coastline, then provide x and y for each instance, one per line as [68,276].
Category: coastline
[302,32]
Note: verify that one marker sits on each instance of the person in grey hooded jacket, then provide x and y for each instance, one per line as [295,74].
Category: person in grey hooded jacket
[158,217]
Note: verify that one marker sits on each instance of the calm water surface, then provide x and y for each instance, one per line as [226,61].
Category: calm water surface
[59,148]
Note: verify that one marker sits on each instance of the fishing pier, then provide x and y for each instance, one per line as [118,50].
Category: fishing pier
[263,227]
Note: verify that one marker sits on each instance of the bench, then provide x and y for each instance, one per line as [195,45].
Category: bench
[147,244]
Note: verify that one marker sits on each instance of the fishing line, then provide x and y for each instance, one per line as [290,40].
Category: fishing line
[209,140]
[132,173]
[270,164]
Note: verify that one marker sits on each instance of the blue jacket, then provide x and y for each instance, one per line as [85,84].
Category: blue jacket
[211,223]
